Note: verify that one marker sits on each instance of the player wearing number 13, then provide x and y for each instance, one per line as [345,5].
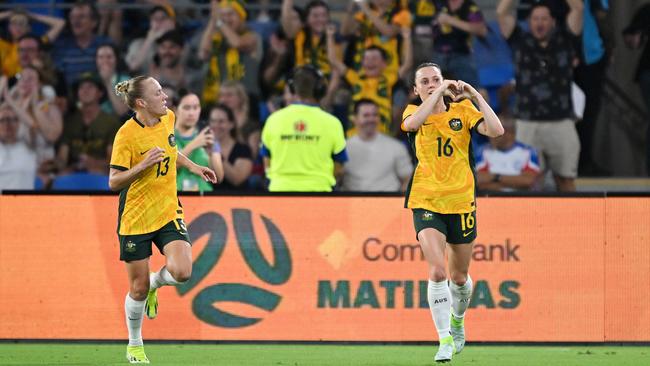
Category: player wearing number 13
[143,169]
[441,193]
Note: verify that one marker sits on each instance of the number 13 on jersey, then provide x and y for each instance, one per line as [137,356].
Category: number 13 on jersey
[163,167]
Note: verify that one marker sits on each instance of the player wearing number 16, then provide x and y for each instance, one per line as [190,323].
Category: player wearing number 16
[441,193]
[143,169]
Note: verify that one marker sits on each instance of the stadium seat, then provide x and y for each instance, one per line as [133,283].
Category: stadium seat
[81,182]
[38,184]
[494,62]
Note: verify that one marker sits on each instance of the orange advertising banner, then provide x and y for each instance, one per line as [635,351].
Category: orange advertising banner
[330,269]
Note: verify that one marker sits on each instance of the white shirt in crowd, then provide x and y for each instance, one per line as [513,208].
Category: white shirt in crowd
[514,161]
[380,164]
[17,166]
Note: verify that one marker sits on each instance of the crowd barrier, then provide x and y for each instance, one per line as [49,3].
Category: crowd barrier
[330,269]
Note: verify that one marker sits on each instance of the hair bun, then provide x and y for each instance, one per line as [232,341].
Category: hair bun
[122,88]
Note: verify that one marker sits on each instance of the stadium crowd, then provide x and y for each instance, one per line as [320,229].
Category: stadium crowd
[225,67]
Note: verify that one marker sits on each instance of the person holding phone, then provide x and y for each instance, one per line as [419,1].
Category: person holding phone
[199,145]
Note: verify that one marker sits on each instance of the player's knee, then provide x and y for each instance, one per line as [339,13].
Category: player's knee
[181,274]
[139,290]
[437,274]
[459,278]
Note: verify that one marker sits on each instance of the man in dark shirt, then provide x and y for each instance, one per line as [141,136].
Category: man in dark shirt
[544,59]
[88,134]
[636,32]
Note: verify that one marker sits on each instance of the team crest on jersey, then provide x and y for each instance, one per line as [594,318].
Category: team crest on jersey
[455,124]
[172,140]
[130,247]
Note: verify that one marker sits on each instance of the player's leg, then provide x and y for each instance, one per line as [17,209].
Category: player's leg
[460,287]
[431,234]
[178,254]
[172,241]
[432,243]
[138,274]
[461,236]
[177,269]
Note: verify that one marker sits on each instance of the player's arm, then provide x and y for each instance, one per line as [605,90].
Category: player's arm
[415,120]
[491,125]
[204,172]
[119,179]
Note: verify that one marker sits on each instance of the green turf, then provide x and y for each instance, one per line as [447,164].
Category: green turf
[27,354]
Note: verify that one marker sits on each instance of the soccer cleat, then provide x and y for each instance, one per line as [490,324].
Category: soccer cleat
[458,332]
[446,350]
[151,305]
[135,354]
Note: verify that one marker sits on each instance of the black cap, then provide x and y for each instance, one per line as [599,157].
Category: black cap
[89,76]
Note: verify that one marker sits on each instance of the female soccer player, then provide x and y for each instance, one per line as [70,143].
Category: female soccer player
[143,169]
[441,193]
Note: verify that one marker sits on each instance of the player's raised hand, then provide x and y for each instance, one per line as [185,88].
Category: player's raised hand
[154,156]
[450,88]
[465,91]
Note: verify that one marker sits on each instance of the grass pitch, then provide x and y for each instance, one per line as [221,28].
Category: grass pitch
[71,354]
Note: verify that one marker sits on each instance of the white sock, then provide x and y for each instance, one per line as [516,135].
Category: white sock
[134,311]
[440,305]
[161,278]
[460,297]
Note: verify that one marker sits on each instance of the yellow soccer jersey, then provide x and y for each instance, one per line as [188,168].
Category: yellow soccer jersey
[443,180]
[369,35]
[312,52]
[150,201]
[378,89]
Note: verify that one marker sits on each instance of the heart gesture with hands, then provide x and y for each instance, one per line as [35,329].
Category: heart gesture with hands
[459,90]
